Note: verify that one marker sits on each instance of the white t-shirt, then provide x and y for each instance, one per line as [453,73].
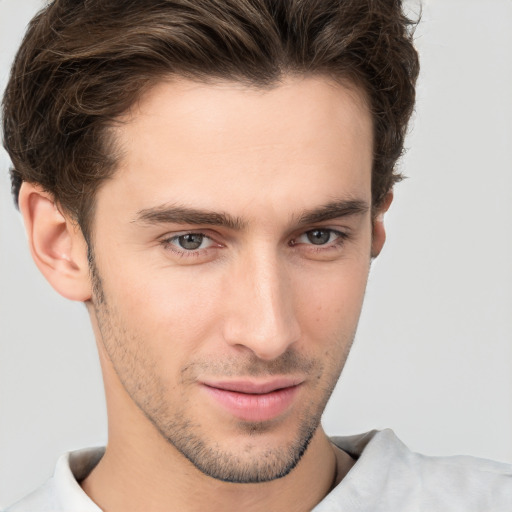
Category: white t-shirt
[387,477]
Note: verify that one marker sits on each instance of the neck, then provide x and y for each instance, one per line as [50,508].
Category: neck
[142,471]
[131,477]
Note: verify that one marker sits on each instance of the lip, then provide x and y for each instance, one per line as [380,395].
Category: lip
[254,401]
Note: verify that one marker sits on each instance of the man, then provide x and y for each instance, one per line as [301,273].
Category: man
[210,179]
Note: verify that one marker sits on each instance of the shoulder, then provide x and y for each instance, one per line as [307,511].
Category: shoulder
[62,492]
[389,476]
[42,499]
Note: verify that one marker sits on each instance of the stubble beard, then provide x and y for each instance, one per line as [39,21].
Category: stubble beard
[133,368]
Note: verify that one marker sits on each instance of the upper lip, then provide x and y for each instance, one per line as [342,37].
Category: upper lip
[256,387]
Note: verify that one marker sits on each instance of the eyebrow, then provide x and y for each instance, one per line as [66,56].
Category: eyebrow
[166,214]
[169,214]
[334,210]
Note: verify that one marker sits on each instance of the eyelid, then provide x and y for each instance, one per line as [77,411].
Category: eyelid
[204,238]
[176,234]
[340,235]
[168,242]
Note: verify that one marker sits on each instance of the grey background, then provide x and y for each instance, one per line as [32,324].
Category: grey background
[433,355]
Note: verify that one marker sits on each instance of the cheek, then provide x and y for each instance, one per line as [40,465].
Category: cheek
[163,307]
[330,306]
[177,310]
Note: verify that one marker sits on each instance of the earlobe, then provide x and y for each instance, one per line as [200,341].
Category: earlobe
[56,243]
[379,230]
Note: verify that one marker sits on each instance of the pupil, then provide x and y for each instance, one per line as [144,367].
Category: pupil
[319,236]
[191,241]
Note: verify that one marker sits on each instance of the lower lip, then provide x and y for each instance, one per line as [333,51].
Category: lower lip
[252,407]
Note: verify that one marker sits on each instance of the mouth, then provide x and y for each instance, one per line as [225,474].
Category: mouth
[254,401]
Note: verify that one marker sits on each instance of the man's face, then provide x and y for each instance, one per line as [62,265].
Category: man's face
[231,252]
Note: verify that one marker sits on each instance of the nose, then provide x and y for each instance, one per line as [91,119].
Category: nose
[260,307]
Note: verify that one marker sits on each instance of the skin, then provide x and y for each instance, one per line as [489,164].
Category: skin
[272,294]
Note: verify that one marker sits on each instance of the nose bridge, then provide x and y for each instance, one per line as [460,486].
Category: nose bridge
[262,316]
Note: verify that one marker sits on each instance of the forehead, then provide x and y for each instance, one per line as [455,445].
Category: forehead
[207,144]
[198,109]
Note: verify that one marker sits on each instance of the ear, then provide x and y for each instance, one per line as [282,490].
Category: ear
[56,243]
[379,231]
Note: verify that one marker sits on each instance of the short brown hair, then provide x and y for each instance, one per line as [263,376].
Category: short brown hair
[82,64]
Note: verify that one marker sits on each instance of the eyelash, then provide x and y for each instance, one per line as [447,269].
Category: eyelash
[168,243]
[342,237]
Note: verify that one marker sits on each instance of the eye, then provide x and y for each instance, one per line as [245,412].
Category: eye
[319,237]
[188,243]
